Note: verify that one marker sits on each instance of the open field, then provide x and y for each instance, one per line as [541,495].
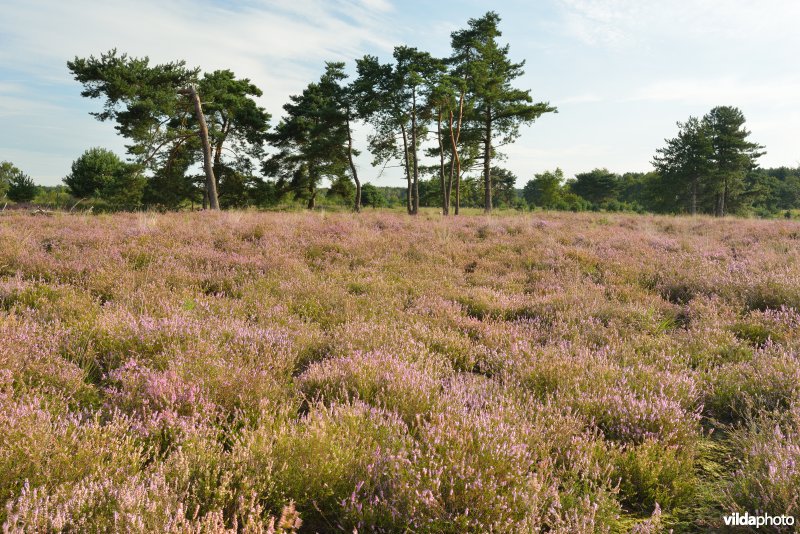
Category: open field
[561,372]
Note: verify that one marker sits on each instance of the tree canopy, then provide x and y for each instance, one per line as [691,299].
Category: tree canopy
[311,139]
[705,168]
[497,109]
[158,109]
[15,184]
[441,120]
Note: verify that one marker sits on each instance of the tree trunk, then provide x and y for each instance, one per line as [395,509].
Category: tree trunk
[409,194]
[357,206]
[725,197]
[445,199]
[454,140]
[451,178]
[219,144]
[211,181]
[414,148]
[312,200]
[458,194]
[217,151]
[694,196]
[487,163]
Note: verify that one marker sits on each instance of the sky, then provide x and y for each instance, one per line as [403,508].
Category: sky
[620,72]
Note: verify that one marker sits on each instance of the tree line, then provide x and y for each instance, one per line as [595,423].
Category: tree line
[441,121]
[457,110]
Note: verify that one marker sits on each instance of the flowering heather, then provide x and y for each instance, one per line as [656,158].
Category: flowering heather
[252,372]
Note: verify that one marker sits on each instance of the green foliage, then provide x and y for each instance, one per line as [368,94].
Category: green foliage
[343,190]
[7,169]
[125,190]
[99,173]
[311,139]
[55,197]
[372,196]
[92,172]
[234,119]
[142,100]
[545,190]
[504,187]
[149,106]
[239,187]
[684,162]
[430,192]
[598,186]
[15,184]
[394,98]
[652,473]
[707,167]
[496,108]
[171,185]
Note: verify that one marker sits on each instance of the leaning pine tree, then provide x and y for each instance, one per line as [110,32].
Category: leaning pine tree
[152,105]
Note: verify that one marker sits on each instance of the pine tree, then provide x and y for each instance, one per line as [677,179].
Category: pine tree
[498,109]
[733,155]
[312,140]
[685,162]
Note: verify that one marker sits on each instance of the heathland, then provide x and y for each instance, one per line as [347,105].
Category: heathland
[542,372]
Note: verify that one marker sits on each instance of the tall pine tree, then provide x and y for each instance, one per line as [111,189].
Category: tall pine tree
[733,156]
[498,109]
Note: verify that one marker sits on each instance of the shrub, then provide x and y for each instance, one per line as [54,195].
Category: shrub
[768,449]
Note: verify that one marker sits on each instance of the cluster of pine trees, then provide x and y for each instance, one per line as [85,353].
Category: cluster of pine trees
[439,120]
[463,106]
[709,167]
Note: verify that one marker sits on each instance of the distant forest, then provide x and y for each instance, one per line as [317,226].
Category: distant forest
[442,121]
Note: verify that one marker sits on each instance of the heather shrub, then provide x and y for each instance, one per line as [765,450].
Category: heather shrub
[482,463]
[157,400]
[407,388]
[770,381]
[772,294]
[561,370]
[652,475]
[239,389]
[677,286]
[42,369]
[146,502]
[319,461]
[772,326]
[43,445]
[194,372]
[767,477]
[457,348]
[630,418]
[627,404]
[48,302]
[116,338]
[756,334]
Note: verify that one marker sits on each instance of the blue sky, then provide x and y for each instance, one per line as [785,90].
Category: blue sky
[621,72]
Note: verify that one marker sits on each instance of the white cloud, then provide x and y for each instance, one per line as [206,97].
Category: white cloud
[583,98]
[715,91]
[281,45]
[634,22]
